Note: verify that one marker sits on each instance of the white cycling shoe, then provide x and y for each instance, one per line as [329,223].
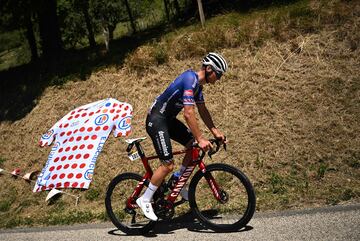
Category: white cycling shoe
[147,209]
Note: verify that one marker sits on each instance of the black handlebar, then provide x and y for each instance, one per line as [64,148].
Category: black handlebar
[211,152]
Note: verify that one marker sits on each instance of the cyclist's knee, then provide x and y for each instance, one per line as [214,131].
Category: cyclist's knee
[168,165]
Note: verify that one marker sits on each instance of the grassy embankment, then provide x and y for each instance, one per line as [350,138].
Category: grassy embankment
[289,105]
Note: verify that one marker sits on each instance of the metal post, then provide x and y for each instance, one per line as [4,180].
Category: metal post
[201,13]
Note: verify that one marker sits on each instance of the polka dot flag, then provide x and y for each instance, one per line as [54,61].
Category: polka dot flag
[78,140]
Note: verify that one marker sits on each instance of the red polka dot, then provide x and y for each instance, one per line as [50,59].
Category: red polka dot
[66,125]
[89,129]
[74,148]
[86,121]
[77,115]
[52,168]
[72,112]
[117,116]
[58,184]
[74,166]
[51,186]
[91,113]
[78,156]
[60,150]
[63,158]
[65,141]
[66,184]
[75,184]
[56,159]
[62,175]
[127,107]
[79,175]
[66,166]
[79,110]
[112,110]
[123,115]
[118,111]
[71,139]
[105,128]
[82,147]
[78,138]
[70,118]
[70,175]
[82,165]
[86,156]
[76,131]
[60,126]
[43,188]
[105,110]
[94,137]
[83,115]
[82,129]
[67,148]
[97,128]
[59,167]
[54,176]
[91,146]
[62,133]
[85,138]
[69,133]
[71,157]
[114,105]
[82,184]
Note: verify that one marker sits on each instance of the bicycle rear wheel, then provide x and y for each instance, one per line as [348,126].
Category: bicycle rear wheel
[238,204]
[130,221]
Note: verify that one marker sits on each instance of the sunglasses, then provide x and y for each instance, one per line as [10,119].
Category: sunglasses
[217,73]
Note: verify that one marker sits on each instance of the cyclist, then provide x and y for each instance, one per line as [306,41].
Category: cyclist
[162,125]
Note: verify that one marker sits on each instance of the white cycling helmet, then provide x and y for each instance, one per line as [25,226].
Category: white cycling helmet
[216,61]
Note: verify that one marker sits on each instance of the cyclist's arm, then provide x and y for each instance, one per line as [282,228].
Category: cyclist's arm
[190,118]
[206,117]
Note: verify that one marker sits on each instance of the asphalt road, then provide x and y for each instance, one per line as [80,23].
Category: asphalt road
[330,223]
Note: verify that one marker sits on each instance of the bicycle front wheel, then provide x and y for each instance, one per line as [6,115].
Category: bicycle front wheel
[237,206]
[130,221]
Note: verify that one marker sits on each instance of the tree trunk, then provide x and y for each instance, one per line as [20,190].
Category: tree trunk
[90,32]
[30,36]
[130,16]
[49,30]
[166,5]
[177,7]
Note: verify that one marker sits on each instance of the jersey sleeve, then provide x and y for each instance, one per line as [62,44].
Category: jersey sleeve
[189,85]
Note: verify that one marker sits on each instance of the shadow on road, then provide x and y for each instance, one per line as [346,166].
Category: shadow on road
[186,221]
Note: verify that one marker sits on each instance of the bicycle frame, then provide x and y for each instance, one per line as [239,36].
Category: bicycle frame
[196,160]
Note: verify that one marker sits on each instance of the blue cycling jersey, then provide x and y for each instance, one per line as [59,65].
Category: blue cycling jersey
[184,90]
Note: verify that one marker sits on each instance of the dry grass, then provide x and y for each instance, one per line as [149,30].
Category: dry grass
[290,109]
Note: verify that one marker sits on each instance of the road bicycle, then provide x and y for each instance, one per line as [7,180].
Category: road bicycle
[221,197]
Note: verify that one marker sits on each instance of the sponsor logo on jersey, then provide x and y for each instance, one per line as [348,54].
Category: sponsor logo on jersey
[188,93]
[125,123]
[101,119]
[48,134]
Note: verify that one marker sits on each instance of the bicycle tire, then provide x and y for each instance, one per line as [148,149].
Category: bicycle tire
[235,182]
[115,203]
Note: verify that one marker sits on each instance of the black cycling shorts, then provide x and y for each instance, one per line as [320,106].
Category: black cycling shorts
[161,129]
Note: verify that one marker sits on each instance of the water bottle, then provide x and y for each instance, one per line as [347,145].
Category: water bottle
[173,179]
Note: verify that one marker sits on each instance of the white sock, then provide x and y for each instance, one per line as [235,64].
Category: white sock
[149,192]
